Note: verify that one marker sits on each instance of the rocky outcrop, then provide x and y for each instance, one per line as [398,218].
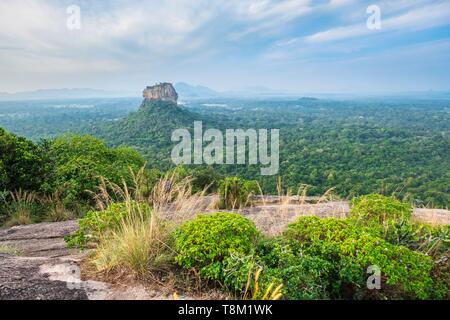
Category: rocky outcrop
[272,214]
[161,91]
[35,264]
[26,252]
[39,240]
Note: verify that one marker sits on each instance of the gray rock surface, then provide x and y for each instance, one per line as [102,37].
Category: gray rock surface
[39,240]
[35,264]
[29,248]
[21,279]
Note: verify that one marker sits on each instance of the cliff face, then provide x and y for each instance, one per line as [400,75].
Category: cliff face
[161,91]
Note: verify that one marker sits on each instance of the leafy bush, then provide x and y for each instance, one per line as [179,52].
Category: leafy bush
[205,178]
[237,268]
[235,192]
[432,240]
[304,277]
[351,250]
[376,207]
[96,224]
[206,241]
[441,277]
[254,290]
[384,216]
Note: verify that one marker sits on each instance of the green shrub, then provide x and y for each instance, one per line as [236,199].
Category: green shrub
[96,224]
[376,207]
[304,277]
[237,268]
[206,241]
[205,178]
[351,250]
[384,216]
[234,192]
[432,240]
[441,278]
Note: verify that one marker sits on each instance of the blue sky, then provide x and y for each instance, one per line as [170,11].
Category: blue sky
[294,45]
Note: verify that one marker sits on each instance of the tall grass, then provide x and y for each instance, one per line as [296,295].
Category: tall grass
[141,243]
[56,209]
[20,208]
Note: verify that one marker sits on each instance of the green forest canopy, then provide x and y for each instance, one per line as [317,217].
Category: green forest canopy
[357,147]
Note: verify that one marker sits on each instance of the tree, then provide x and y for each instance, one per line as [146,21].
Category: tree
[22,163]
[80,161]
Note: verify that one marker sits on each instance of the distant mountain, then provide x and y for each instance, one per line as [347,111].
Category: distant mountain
[258,90]
[47,94]
[188,91]
[4,95]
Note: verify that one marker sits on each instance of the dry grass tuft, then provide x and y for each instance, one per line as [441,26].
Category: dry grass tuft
[57,211]
[10,250]
[20,208]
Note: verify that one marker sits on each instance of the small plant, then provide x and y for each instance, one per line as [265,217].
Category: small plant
[10,250]
[235,193]
[21,208]
[304,277]
[236,269]
[384,216]
[433,240]
[376,207]
[206,241]
[97,223]
[56,209]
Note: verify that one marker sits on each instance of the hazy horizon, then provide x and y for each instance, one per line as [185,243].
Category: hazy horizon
[92,93]
[292,46]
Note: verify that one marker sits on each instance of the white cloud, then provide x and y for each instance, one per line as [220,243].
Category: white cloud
[263,9]
[29,24]
[161,37]
[338,3]
[164,27]
[417,19]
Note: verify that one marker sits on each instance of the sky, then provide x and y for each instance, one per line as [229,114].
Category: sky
[299,46]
